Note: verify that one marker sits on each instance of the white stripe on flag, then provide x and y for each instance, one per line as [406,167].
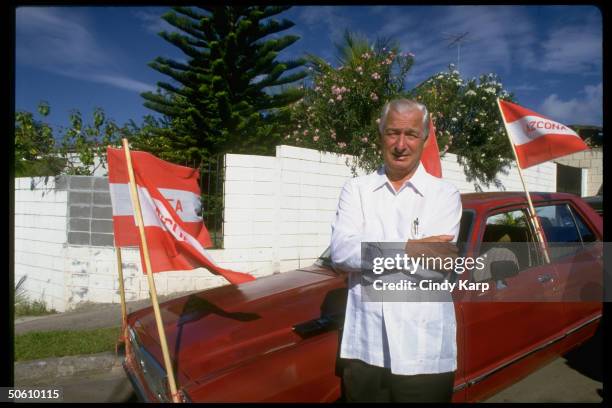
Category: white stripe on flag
[186,204]
[529,128]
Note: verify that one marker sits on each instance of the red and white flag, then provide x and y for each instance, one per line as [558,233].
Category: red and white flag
[431,154]
[536,138]
[169,197]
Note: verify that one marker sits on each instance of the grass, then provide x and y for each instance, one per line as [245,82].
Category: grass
[35,308]
[37,345]
[26,307]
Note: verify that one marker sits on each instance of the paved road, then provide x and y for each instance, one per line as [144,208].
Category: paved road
[575,377]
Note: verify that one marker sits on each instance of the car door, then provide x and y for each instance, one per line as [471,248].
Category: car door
[576,255]
[502,333]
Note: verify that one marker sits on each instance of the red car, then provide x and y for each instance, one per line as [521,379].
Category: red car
[277,338]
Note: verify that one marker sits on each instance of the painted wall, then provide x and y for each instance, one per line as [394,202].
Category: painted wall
[277,217]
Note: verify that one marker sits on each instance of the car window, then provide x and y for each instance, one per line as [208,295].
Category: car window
[586,234]
[558,223]
[560,230]
[507,238]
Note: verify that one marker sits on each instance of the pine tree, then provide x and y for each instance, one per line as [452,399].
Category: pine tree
[231,95]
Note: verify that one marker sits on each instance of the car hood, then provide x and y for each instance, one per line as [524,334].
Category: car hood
[222,327]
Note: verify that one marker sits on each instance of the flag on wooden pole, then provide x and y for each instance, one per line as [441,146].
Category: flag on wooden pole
[431,154]
[536,138]
[170,202]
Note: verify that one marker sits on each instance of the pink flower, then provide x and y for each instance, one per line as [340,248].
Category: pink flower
[364,139]
[376,75]
[330,100]
[342,145]
[333,135]
[374,96]
[315,138]
[305,132]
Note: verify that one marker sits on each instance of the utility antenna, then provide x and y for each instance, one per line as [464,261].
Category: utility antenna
[456,39]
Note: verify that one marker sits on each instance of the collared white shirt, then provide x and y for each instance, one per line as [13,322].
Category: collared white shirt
[408,337]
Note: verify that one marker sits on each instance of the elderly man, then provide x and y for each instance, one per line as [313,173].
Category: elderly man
[396,351]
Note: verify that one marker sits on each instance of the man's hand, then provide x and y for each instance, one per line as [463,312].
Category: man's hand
[434,246]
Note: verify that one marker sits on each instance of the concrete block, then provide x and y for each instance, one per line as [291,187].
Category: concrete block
[270,175]
[61,182]
[288,253]
[79,280]
[102,226]
[239,187]
[288,176]
[238,173]
[238,201]
[248,241]
[265,227]
[289,265]
[79,238]
[308,203]
[238,228]
[81,182]
[239,214]
[263,214]
[290,190]
[79,211]
[101,198]
[291,203]
[98,239]
[267,188]
[238,160]
[78,197]
[100,184]
[100,281]
[263,202]
[102,212]
[79,224]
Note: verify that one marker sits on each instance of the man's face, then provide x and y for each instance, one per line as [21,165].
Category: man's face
[402,141]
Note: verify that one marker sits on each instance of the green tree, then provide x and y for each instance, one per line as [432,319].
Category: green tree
[231,93]
[339,111]
[83,146]
[35,145]
[468,122]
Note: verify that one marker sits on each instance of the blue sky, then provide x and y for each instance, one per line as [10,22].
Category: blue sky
[87,57]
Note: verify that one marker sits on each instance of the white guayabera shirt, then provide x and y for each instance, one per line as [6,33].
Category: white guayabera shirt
[408,337]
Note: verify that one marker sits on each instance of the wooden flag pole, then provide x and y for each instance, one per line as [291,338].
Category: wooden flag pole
[533,217]
[121,292]
[152,290]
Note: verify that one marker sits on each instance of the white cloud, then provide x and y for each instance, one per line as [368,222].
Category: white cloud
[586,109]
[330,16]
[572,50]
[57,40]
[152,22]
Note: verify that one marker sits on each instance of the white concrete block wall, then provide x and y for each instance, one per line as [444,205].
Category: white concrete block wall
[277,217]
[592,160]
[40,234]
[542,177]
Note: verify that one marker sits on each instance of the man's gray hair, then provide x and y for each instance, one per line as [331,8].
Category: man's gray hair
[401,106]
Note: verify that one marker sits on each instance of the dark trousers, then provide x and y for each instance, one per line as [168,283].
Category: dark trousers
[367,383]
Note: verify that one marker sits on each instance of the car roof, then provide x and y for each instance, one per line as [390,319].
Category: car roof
[499,198]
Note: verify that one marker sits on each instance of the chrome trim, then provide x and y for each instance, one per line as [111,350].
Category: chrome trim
[136,386]
[460,387]
[506,364]
[580,326]
[153,373]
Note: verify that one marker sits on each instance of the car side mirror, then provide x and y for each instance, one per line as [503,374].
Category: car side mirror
[501,270]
